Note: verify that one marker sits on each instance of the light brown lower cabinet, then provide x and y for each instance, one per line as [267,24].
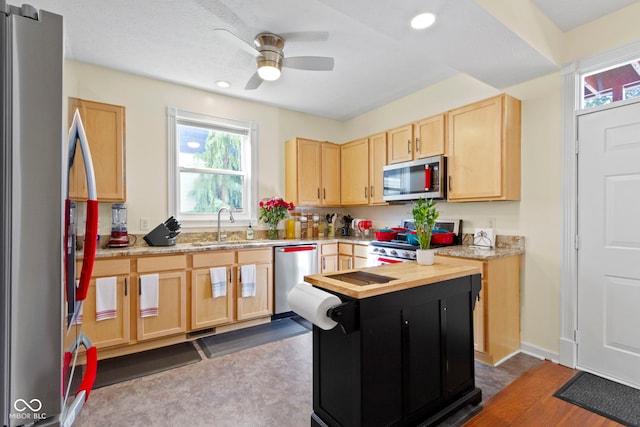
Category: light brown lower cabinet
[345,256]
[496,317]
[172,297]
[207,311]
[360,254]
[328,253]
[107,332]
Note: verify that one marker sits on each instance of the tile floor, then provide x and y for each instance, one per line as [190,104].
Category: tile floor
[264,386]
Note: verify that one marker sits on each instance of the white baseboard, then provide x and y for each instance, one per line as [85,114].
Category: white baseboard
[539,352]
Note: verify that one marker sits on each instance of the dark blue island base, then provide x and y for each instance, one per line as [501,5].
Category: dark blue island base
[408,360]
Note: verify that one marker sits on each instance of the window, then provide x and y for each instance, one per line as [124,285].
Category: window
[212,165]
[611,84]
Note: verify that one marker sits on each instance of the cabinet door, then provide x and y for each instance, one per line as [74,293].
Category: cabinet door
[345,262]
[104,126]
[207,311]
[328,263]
[355,172]
[171,318]
[107,332]
[262,303]
[309,172]
[429,137]
[330,174]
[484,150]
[479,322]
[400,144]
[377,160]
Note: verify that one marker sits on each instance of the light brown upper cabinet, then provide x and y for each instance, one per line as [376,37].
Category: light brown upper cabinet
[484,150]
[354,172]
[400,144]
[104,125]
[312,173]
[377,160]
[429,137]
[362,161]
[418,140]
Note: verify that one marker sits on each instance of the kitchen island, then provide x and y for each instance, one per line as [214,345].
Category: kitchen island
[403,351]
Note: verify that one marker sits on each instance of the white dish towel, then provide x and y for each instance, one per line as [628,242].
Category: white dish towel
[218,281]
[248,279]
[106,298]
[149,295]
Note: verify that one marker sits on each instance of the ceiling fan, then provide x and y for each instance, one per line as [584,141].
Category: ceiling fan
[268,48]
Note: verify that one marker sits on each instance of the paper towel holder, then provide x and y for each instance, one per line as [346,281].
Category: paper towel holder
[345,315]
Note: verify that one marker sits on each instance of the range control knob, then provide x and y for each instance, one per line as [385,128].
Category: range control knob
[382,251]
[412,255]
[393,252]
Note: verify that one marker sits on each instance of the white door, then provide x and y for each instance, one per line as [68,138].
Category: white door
[609,243]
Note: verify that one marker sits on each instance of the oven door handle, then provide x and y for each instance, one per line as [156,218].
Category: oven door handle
[389,260]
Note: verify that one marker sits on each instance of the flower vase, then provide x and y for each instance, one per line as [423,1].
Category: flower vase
[272,233]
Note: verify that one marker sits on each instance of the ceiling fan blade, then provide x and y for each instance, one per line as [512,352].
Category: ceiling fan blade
[237,41]
[306,36]
[254,82]
[313,63]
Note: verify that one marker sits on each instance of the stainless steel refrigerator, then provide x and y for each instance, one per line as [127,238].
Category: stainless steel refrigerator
[32,170]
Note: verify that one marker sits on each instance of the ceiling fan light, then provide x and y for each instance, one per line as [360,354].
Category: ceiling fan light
[422,21]
[269,72]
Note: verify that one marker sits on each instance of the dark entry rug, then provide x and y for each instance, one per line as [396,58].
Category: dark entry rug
[615,401]
[230,342]
[123,368]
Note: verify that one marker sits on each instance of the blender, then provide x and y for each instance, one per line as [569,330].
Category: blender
[119,237]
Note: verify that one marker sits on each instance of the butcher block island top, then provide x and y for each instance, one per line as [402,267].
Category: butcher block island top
[373,281]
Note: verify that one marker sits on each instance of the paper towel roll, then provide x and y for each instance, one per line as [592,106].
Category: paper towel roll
[312,304]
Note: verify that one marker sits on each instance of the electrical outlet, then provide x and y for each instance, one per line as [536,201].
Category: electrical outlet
[491,223]
[144,223]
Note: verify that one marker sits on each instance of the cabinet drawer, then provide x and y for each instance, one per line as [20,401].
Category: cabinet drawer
[213,259]
[161,263]
[249,256]
[107,267]
[329,249]
[360,250]
[345,248]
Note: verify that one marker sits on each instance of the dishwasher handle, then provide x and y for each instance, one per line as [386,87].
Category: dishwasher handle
[297,248]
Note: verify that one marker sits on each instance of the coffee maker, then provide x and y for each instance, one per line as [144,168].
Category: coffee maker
[119,236]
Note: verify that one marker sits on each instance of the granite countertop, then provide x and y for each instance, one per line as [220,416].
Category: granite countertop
[506,246]
[142,249]
[404,275]
[474,252]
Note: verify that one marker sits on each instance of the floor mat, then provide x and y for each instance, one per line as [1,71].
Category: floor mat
[615,401]
[230,342]
[123,368]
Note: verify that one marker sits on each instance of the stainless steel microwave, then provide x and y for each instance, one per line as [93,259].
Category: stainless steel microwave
[411,180]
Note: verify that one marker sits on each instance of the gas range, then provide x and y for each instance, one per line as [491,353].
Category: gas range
[394,251]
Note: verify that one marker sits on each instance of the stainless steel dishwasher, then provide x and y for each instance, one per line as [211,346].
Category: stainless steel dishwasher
[292,263]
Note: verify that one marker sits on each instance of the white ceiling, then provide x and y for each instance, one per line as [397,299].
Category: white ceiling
[378,58]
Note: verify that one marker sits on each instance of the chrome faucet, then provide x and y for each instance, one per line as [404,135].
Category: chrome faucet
[231,219]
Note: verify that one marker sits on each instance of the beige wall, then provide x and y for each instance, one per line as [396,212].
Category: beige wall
[146,103]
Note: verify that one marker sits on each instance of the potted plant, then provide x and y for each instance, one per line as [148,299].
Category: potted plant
[424,213]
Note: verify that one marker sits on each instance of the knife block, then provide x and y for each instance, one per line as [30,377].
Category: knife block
[159,236]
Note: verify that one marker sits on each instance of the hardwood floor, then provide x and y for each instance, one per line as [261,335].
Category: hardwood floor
[529,401]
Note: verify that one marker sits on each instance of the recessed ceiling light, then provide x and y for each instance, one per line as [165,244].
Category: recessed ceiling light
[422,21]
[223,84]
